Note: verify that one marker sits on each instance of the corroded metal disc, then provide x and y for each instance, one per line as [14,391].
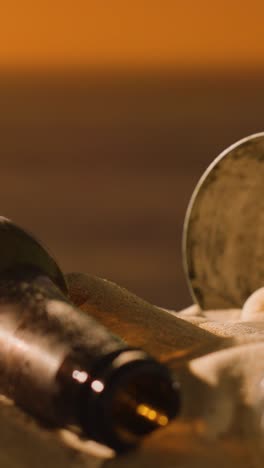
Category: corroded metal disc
[224,228]
[18,248]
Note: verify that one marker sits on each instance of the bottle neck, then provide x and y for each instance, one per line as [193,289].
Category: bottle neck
[124,397]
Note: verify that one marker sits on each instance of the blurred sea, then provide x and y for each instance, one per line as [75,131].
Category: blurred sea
[101,166]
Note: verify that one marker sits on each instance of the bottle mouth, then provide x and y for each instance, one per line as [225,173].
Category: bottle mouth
[130,398]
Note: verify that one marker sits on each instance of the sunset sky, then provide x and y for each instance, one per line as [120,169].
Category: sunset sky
[138,33]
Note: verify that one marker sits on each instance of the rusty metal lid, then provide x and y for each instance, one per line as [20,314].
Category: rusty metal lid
[18,248]
[223,241]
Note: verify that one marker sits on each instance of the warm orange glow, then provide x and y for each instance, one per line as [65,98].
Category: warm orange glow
[153,415]
[140,33]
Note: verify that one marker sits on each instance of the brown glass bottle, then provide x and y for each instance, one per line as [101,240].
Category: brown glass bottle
[61,365]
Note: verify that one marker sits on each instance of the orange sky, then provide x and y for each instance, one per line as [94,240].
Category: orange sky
[133,33]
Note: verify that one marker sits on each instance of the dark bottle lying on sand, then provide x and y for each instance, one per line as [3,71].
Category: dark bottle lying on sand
[64,367]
